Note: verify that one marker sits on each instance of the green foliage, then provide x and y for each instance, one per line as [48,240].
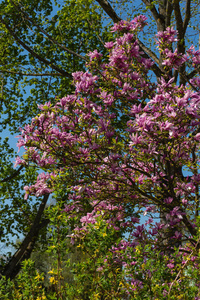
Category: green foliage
[94,276]
[27,286]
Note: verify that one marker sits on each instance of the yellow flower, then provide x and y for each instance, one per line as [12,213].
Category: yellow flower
[96,296]
[38,277]
[43,297]
[52,280]
[97,225]
[117,270]
[137,250]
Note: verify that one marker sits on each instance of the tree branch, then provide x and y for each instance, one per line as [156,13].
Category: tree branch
[187,15]
[169,10]
[109,10]
[179,26]
[12,176]
[193,73]
[157,16]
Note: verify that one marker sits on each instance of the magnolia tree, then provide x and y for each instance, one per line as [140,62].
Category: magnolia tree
[126,145]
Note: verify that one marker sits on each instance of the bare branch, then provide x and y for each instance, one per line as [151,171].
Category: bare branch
[157,16]
[179,24]
[187,15]
[109,10]
[192,74]
[169,10]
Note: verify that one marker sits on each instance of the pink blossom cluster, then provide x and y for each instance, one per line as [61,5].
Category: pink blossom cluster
[137,23]
[166,38]
[41,186]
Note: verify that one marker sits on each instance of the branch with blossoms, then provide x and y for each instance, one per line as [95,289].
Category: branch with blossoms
[123,145]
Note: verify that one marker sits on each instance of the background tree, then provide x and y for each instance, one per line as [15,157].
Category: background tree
[31,73]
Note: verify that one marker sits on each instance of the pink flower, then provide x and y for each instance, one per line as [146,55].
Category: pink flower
[109,45]
[94,54]
[170,265]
